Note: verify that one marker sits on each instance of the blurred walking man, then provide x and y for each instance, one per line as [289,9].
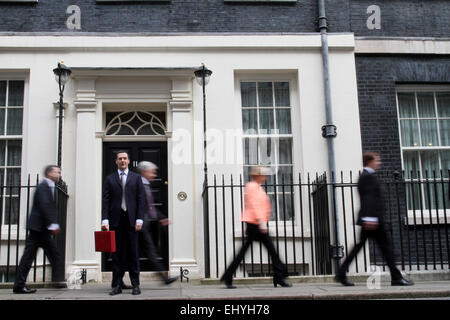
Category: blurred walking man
[148,172]
[42,225]
[371,219]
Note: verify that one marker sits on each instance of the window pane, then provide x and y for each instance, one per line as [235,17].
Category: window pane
[250,150]
[248,94]
[443,104]
[285,211]
[429,132]
[430,196]
[410,133]
[2,93]
[15,93]
[285,151]
[282,98]
[270,182]
[426,105]
[266,151]
[14,153]
[411,164]
[250,121]
[14,122]
[284,177]
[2,152]
[2,121]
[13,181]
[266,121]
[11,216]
[265,94]
[407,105]
[430,163]
[124,131]
[284,120]
[413,195]
[445,132]
[445,162]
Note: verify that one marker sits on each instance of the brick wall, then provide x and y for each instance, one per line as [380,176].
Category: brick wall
[377,79]
[398,17]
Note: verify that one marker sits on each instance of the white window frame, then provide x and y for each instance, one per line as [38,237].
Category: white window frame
[294,135]
[429,215]
[22,212]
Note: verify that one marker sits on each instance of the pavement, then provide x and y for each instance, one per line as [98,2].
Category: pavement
[153,290]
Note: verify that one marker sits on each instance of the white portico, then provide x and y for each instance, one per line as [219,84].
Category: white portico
[98,92]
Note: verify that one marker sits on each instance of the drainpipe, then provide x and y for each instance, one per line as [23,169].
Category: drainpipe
[329,130]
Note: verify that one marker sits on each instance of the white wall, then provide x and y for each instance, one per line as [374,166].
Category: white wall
[295,57]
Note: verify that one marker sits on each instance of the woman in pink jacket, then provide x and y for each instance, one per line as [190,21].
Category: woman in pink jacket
[256,214]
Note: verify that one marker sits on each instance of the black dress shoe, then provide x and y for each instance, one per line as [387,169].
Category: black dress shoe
[136,291]
[343,281]
[24,290]
[170,280]
[228,282]
[115,290]
[402,282]
[281,282]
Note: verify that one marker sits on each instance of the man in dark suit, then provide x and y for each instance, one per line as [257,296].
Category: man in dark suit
[148,171]
[371,219]
[42,225]
[123,209]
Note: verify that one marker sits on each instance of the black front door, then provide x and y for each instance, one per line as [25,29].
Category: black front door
[155,152]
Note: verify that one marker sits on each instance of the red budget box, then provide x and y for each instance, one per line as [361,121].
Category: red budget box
[105,241]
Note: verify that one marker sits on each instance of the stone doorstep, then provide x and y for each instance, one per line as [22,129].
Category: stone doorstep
[37,285]
[435,275]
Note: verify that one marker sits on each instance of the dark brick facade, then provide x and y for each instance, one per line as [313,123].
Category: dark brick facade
[377,79]
[398,17]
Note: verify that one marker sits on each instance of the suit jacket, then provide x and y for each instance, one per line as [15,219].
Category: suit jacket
[151,204]
[134,196]
[372,203]
[43,212]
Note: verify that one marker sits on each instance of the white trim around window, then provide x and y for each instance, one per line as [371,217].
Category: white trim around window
[418,154]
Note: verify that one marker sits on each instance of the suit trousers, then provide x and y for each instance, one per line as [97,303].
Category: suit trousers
[34,241]
[151,251]
[381,238]
[126,256]
[253,233]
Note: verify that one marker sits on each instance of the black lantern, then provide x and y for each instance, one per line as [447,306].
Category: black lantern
[203,75]
[62,76]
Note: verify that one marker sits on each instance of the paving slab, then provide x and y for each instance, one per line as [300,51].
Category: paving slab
[185,291]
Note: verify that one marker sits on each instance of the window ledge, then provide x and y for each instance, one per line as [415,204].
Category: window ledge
[427,219]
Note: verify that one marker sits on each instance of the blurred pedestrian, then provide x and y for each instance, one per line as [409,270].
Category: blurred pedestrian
[148,171]
[42,224]
[371,219]
[256,214]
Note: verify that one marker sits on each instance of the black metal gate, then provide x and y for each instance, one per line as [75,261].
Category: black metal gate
[12,199]
[321,226]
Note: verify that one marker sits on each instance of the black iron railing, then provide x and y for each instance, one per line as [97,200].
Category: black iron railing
[417,212]
[15,206]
